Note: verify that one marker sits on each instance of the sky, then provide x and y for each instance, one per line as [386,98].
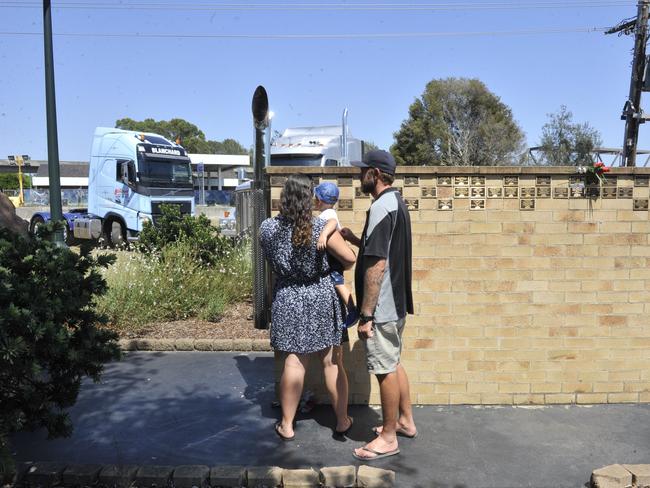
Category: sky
[201,60]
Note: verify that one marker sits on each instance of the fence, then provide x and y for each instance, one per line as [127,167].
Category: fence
[79,197]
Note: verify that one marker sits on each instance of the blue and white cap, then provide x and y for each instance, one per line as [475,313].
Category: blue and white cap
[327,192]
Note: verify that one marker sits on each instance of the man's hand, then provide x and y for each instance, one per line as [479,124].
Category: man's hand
[322,242]
[364,329]
[346,233]
[349,236]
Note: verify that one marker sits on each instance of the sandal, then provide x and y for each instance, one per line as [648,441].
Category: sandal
[377,454]
[283,437]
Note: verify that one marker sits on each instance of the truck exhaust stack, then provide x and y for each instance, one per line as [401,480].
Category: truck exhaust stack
[260,195]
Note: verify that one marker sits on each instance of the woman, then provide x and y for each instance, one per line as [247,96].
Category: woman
[306,315]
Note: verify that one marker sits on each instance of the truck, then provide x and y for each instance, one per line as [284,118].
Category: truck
[328,145]
[130,176]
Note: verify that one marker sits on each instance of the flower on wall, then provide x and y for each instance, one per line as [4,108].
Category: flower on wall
[594,172]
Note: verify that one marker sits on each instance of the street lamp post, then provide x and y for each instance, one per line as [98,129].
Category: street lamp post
[19,160]
[56,212]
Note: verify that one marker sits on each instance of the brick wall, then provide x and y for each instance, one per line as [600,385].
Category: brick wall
[529,288]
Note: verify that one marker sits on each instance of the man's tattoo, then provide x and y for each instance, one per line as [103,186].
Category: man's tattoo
[372,285]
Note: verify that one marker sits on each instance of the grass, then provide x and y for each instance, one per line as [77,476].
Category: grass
[174,286]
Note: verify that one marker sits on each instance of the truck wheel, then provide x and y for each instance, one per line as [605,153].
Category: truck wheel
[115,233]
[35,223]
[68,237]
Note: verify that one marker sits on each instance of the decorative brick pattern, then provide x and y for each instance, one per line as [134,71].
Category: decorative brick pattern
[345,204]
[343,181]
[411,181]
[428,192]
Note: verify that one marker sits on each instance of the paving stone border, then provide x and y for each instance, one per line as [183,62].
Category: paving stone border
[48,475]
[244,345]
[621,476]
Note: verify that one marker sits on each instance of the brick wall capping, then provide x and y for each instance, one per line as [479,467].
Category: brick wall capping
[454,170]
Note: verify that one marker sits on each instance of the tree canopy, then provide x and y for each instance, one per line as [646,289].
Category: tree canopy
[564,142]
[191,137]
[458,122]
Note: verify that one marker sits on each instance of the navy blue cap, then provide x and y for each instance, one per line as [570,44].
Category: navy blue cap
[327,192]
[379,159]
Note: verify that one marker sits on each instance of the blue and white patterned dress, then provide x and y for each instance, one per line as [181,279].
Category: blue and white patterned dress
[306,315]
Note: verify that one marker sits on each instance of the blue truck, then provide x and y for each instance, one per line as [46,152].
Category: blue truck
[131,174]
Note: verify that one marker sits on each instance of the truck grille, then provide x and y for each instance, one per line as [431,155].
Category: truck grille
[156,212]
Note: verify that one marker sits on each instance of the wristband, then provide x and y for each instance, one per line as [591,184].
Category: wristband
[366,318]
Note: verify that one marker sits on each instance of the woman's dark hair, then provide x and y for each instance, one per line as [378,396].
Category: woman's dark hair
[296,206]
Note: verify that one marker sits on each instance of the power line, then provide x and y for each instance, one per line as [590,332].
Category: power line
[327,6]
[320,36]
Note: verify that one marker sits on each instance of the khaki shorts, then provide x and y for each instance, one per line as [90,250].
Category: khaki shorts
[384,348]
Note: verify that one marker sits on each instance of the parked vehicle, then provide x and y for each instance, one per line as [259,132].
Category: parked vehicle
[329,145]
[131,175]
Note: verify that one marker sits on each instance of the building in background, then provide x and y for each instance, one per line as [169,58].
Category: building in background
[215,178]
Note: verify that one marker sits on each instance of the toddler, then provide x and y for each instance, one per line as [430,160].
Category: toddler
[327,194]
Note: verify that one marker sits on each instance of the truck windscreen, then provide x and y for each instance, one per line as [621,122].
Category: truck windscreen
[164,172]
[296,159]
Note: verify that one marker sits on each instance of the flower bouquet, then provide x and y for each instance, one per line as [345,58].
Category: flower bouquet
[594,172]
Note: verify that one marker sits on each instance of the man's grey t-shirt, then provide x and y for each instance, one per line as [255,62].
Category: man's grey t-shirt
[387,235]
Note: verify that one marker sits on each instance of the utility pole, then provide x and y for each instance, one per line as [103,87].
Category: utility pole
[56,211]
[632,112]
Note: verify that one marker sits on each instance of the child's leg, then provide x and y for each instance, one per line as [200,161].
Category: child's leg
[345,295]
[351,315]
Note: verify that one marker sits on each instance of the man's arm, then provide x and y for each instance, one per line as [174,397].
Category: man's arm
[371,287]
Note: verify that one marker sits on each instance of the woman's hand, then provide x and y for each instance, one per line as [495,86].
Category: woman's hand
[322,242]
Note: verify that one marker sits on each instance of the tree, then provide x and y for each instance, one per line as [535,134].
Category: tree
[189,135]
[9,181]
[50,335]
[564,142]
[458,122]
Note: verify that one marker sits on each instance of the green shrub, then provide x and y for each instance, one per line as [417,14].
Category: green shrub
[173,285]
[9,181]
[199,235]
[50,334]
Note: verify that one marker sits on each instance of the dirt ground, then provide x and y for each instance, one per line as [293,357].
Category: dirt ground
[237,323]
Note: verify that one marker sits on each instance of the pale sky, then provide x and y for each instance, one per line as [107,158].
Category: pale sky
[201,60]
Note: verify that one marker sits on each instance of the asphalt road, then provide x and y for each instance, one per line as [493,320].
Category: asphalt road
[216,409]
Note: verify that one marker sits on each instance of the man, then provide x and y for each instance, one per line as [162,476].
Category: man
[383,288]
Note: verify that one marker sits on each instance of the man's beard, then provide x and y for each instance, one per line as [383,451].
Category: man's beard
[368,185]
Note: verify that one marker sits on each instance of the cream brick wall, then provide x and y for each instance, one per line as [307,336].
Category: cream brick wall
[519,299]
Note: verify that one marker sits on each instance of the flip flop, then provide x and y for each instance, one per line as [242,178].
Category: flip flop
[377,454]
[343,432]
[399,432]
[283,437]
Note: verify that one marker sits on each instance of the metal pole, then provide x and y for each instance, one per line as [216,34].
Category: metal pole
[261,274]
[267,144]
[56,212]
[633,113]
